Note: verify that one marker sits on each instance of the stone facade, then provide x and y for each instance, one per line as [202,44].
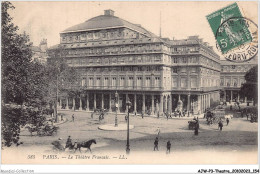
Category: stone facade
[232,77]
[113,55]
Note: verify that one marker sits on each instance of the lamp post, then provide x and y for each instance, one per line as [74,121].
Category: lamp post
[116,104]
[128,103]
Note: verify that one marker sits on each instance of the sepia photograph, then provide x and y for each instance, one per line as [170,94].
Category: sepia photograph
[121,82]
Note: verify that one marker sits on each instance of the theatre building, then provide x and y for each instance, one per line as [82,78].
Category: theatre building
[113,55]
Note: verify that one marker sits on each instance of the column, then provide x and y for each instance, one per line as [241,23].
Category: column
[102,101]
[171,104]
[152,104]
[209,99]
[199,104]
[110,102]
[80,103]
[95,102]
[135,103]
[161,104]
[73,104]
[164,103]
[87,101]
[168,104]
[126,99]
[143,108]
[231,95]
[188,104]
[67,102]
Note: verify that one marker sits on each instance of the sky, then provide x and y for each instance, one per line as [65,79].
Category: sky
[178,19]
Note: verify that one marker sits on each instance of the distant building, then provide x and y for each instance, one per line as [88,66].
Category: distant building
[155,74]
[232,77]
[40,52]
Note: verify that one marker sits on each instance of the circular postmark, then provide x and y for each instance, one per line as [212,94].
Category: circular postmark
[237,39]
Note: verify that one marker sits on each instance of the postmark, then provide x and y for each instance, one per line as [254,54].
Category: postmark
[236,36]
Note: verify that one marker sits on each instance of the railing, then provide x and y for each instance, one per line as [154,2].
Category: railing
[122,88]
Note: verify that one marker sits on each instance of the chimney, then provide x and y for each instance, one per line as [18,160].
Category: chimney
[109,12]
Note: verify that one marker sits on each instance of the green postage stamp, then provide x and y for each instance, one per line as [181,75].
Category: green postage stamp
[233,32]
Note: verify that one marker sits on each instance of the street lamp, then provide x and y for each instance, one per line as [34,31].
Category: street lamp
[116,104]
[129,104]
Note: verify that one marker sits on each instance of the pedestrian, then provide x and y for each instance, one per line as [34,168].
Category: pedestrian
[156,142]
[62,118]
[142,114]
[220,125]
[231,107]
[227,121]
[179,114]
[72,117]
[68,142]
[196,130]
[92,114]
[158,131]
[126,117]
[158,114]
[167,116]
[168,146]
[247,116]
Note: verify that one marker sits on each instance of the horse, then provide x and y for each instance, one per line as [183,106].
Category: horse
[85,144]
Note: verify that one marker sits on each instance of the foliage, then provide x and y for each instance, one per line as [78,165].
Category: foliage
[249,89]
[16,58]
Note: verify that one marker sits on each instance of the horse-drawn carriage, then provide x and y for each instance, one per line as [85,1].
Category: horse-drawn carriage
[215,116]
[193,124]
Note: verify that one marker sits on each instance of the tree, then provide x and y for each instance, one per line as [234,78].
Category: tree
[249,89]
[62,78]
[23,81]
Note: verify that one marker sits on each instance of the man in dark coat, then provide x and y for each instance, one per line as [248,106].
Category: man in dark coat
[220,124]
[168,146]
[68,142]
[156,142]
[227,121]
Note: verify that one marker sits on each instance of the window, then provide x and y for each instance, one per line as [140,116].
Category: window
[122,81]
[91,83]
[184,60]
[139,68]
[174,60]
[157,68]
[148,68]
[106,81]
[148,82]
[98,82]
[114,81]
[63,38]
[130,81]
[157,82]
[174,82]
[131,68]
[139,81]
[183,82]
[174,70]
[83,82]
[193,83]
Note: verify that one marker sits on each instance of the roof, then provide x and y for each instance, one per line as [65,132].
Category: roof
[106,22]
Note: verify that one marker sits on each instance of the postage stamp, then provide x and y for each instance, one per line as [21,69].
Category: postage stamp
[236,35]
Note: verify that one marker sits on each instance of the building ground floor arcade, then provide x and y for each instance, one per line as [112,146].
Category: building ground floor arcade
[148,102]
[233,95]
